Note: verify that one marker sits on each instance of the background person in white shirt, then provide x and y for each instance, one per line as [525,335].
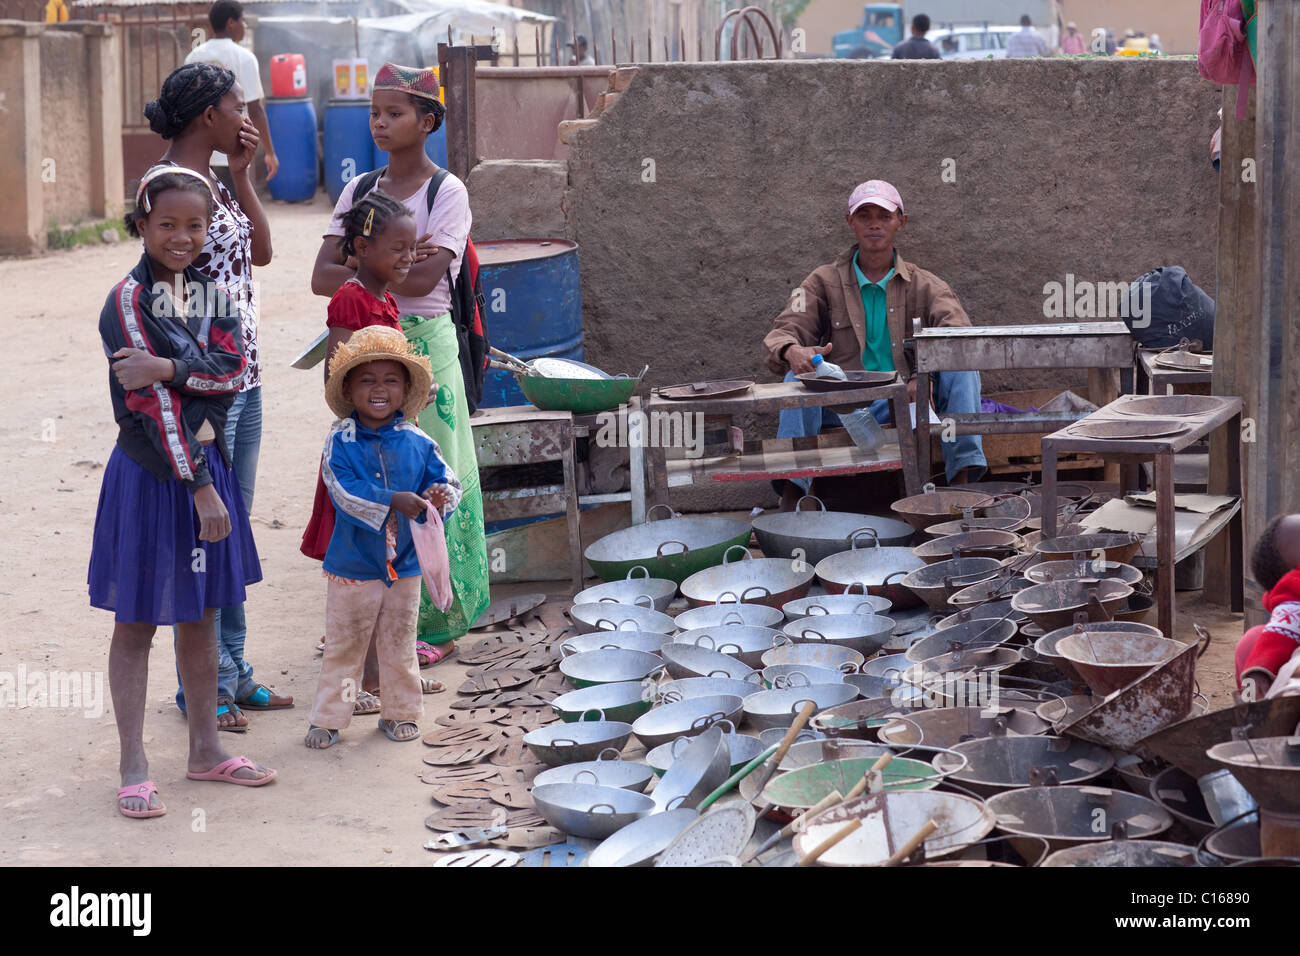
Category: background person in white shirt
[1028,42]
[227,20]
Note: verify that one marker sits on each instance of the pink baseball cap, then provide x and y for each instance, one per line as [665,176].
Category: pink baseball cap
[875,191]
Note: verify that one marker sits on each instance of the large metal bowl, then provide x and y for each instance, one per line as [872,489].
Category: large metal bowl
[570,743]
[727,614]
[1054,604]
[604,773]
[872,570]
[806,786]
[995,764]
[686,660]
[611,616]
[831,656]
[1067,816]
[624,701]
[1117,547]
[944,504]
[741,749]
[969,636]
[836,604]
[638,843]
[949,726]
[1045,571]
[1109,660]
[671,548]
[609,667]
[805,753]
[1045,646]
[992,611]
[779,708]
[864,633]
[648,642]
[657,593]
[937,673]
[889,819]
[770,581]
[690,687]
[685,718]
[971,544]
[1124,853]
[700,767]
[1001,586]
[935,583]
[819,534]
[743,642]
[781,676]
[589,811]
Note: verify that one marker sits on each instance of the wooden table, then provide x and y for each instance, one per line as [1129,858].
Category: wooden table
[526,435]
[776,458]
[1160,451]
[1158,380]
[1101,347]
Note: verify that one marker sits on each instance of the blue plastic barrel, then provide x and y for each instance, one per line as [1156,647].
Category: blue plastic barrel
[293,131]
[435,147]
[534,306]
[349,148]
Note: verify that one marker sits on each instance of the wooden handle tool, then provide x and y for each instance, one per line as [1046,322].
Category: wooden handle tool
[830,841]
[916,839]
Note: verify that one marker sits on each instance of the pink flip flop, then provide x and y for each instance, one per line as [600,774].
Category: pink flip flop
[145,791]
[224,772]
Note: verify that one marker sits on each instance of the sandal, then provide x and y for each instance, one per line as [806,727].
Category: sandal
[227,706]
[366,703]
[430,686]
[263,699]
[391,728]
[145,791]
[324,738]
[224,772]
[430,654]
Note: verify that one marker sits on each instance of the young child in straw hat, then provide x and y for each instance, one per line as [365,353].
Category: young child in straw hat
[376,464]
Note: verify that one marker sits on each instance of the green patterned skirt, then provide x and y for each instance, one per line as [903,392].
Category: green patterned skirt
[446,421]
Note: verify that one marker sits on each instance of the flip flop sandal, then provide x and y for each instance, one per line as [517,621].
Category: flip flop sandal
[430,654]
[390,727]
[227,706]
[430,686]
[145,791]
[366,703]
[224,772]
[263,699]
[332,738]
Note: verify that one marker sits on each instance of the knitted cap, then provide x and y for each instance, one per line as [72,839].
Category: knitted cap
[407,79]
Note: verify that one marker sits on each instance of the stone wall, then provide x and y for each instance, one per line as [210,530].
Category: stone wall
[65,118]
[709,191]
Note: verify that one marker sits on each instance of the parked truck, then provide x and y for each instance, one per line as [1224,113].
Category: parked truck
[885,25]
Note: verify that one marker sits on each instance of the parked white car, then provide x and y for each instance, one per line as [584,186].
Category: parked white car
[971,43]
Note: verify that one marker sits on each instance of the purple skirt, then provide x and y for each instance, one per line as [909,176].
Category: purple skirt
[147,563]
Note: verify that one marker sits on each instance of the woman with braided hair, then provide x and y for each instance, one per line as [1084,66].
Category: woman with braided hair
[201,110]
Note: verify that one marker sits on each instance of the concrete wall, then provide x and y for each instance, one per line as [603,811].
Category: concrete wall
[1097,168]
[514,199]
[62,128]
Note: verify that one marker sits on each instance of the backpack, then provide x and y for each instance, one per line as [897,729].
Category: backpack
[468,304]
[1175,309]
[1222,53]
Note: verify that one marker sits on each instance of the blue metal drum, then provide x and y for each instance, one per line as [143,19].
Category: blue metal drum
[349,148]
[293,130]
[534,306]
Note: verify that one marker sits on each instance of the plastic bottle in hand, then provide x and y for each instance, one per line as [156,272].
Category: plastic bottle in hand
[863,429]
[825,369]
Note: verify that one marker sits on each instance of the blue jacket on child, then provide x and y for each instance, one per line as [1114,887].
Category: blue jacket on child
[363,468]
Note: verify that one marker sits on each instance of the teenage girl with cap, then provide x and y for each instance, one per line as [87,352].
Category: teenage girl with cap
[379,469]
[200,110]
[404,111]
[171,540]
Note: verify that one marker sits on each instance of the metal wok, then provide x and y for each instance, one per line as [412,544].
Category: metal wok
[781,676]
[934,672]
[704,763]
[727,614]
[1117,547]
[1067,816]
[944,504]
[1003,585]
[686,660]
[770,581]
[889,819]
[1045,646]
[670,548]
[1045,571]
[611,616]
[966,636]
[592,812]
[864,633]
[569,743]
[836,604]
[648,642]
[1005,763]
[1054,605]
[935,583]
[874,570]
[603,773]
[609,667]
[992,611]
[624,701]
[746,644]
[972,544]
[689,687]
[638,843]
[779,708]
[631,590]
[741,749]
[1124,853]
[685,718]
[819,534]
[831,656]
[949,726]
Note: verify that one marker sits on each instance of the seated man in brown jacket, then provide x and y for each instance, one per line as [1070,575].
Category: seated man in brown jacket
[856,311]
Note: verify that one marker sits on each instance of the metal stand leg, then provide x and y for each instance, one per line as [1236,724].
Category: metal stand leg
[1164,469]
[1049,488]
[1236,559]
[636,459]
[922,426]
[573,512]
[907,442]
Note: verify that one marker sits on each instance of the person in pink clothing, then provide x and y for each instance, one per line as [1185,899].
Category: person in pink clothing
[1265,650]
[1072,41]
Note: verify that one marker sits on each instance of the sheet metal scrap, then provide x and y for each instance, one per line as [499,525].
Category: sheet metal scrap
[1184,744]
[464,839]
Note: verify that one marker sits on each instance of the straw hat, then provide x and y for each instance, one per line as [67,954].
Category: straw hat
[373,344]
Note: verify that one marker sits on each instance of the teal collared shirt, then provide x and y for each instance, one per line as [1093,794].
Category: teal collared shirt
[877,350]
